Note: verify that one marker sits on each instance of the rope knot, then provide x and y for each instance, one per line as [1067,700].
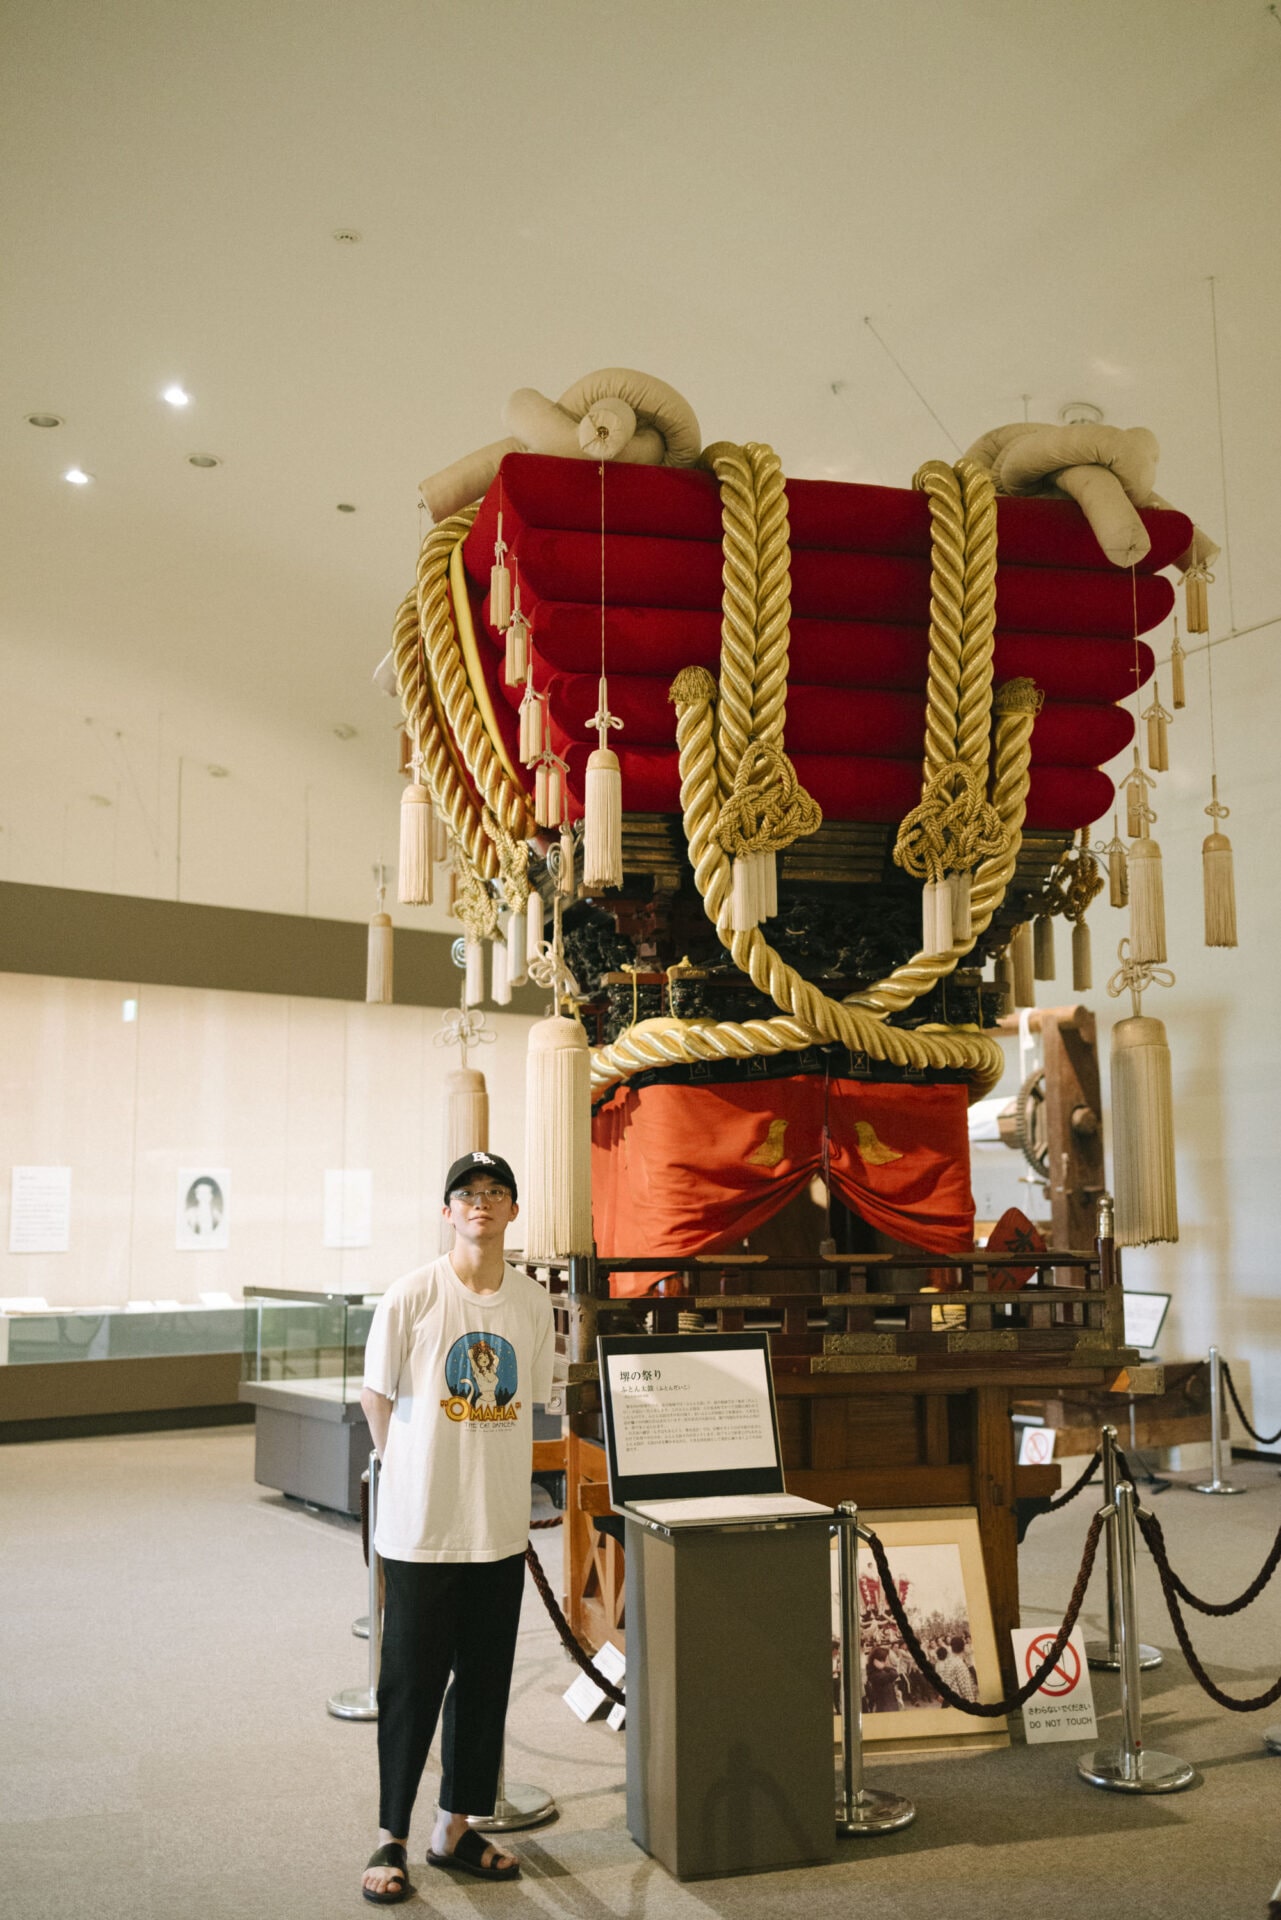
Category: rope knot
[1018,696]
[954,827]
[692,687]
[767,808]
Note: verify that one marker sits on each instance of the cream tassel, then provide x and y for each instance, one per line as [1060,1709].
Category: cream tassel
[962,921]
[769,884]
[1220,891]
[549,791]
[745,892]
[1158,733]
[516,663]
[1196,604]
[531,740]
[1147,903]
[500,584]
[466,1114]
[936,916]
[1043,947]
[474,972]
[1143,1130]
[517,950]
[500,991]
[413,886]
[1178,689]
[1021,959]
[378,959]
[566,879]
[1082,959]
[1003,978]
[533,927]
[603,821]
[558,1140]
[1118,870]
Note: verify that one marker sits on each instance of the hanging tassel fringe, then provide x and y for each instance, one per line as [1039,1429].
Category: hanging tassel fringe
[1143,1130]
[378,962]
[1158,734]
[1179,689]
[439,838]
[558,1141]
[566,879]
[1118,870]
[1003,979]
[603,821]
[517,950]
[466,1115]
[1147,902]
[1082,958]
[516,662]
[549,791]
[500,583]
[1021,960]
[413,880]
[938,907]
[1220,891]
[962,922]
[533,926]
[1196,602]
[531,742]
[474,974]
[1043,947]
[769,885]
[500,991]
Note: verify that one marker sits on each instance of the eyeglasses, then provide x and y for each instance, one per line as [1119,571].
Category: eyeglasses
[478,1196]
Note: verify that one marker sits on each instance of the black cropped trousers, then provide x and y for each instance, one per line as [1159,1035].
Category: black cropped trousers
[444,1620]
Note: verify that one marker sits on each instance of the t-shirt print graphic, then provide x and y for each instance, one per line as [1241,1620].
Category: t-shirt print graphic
[481,1374]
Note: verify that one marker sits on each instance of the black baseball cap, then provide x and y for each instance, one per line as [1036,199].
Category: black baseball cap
[491,1163]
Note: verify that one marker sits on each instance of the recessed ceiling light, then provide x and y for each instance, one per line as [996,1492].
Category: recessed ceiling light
[176,396]
[203,460]
[347,237]
[44,419]
[345,506]
[99,800]
[344,731]
[77,476]
[216,773]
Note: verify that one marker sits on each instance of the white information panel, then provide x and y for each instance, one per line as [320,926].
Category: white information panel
[40,1210]
[691,1412]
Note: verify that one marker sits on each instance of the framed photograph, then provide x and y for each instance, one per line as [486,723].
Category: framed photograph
[204,1216]
[936,1558]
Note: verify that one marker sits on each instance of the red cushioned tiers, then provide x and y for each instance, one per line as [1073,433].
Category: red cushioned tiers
[859,629]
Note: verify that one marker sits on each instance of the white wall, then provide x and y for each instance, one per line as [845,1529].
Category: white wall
[275,1089]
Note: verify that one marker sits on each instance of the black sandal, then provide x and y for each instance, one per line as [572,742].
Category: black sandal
[392,1856]
[469,1857]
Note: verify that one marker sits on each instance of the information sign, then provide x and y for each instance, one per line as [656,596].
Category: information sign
[1063,1706]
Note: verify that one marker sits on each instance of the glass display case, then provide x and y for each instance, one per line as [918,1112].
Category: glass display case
[303,1364]
[118,1333]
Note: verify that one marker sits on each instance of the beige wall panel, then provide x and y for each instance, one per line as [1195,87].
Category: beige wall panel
[311,1118]
[67,1070]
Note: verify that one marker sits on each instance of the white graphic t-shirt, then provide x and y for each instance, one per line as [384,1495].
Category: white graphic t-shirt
[463,1371]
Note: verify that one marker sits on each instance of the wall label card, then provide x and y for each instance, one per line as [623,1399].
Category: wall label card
[349,1207]
[691,1412]
[40,1210]
[1063,1707]
[585,1699]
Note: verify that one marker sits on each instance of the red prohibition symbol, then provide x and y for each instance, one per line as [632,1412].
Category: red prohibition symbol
[1060,1679]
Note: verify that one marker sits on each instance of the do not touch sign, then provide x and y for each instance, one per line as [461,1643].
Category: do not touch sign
[1062,1708]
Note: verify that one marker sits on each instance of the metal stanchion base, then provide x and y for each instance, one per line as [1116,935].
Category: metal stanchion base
[1154,1772]
[1272,1739]
[354,1703]
[1105,1659]
[361,1627]
[1217,1486]
[517,1806]
[874,1812]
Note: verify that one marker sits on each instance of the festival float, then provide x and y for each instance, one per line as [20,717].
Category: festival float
[776,788]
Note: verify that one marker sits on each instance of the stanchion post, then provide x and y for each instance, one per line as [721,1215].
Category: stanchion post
[1105,1655]
[1216,1483]
[361,1703]
[516,1805]
[1130,1767]
[859,1809]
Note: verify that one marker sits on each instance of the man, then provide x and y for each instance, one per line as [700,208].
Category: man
[457,1354]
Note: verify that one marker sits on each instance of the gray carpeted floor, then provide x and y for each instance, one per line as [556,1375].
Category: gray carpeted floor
[171,1633]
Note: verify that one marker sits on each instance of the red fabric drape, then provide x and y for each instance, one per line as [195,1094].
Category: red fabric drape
[690,1169]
